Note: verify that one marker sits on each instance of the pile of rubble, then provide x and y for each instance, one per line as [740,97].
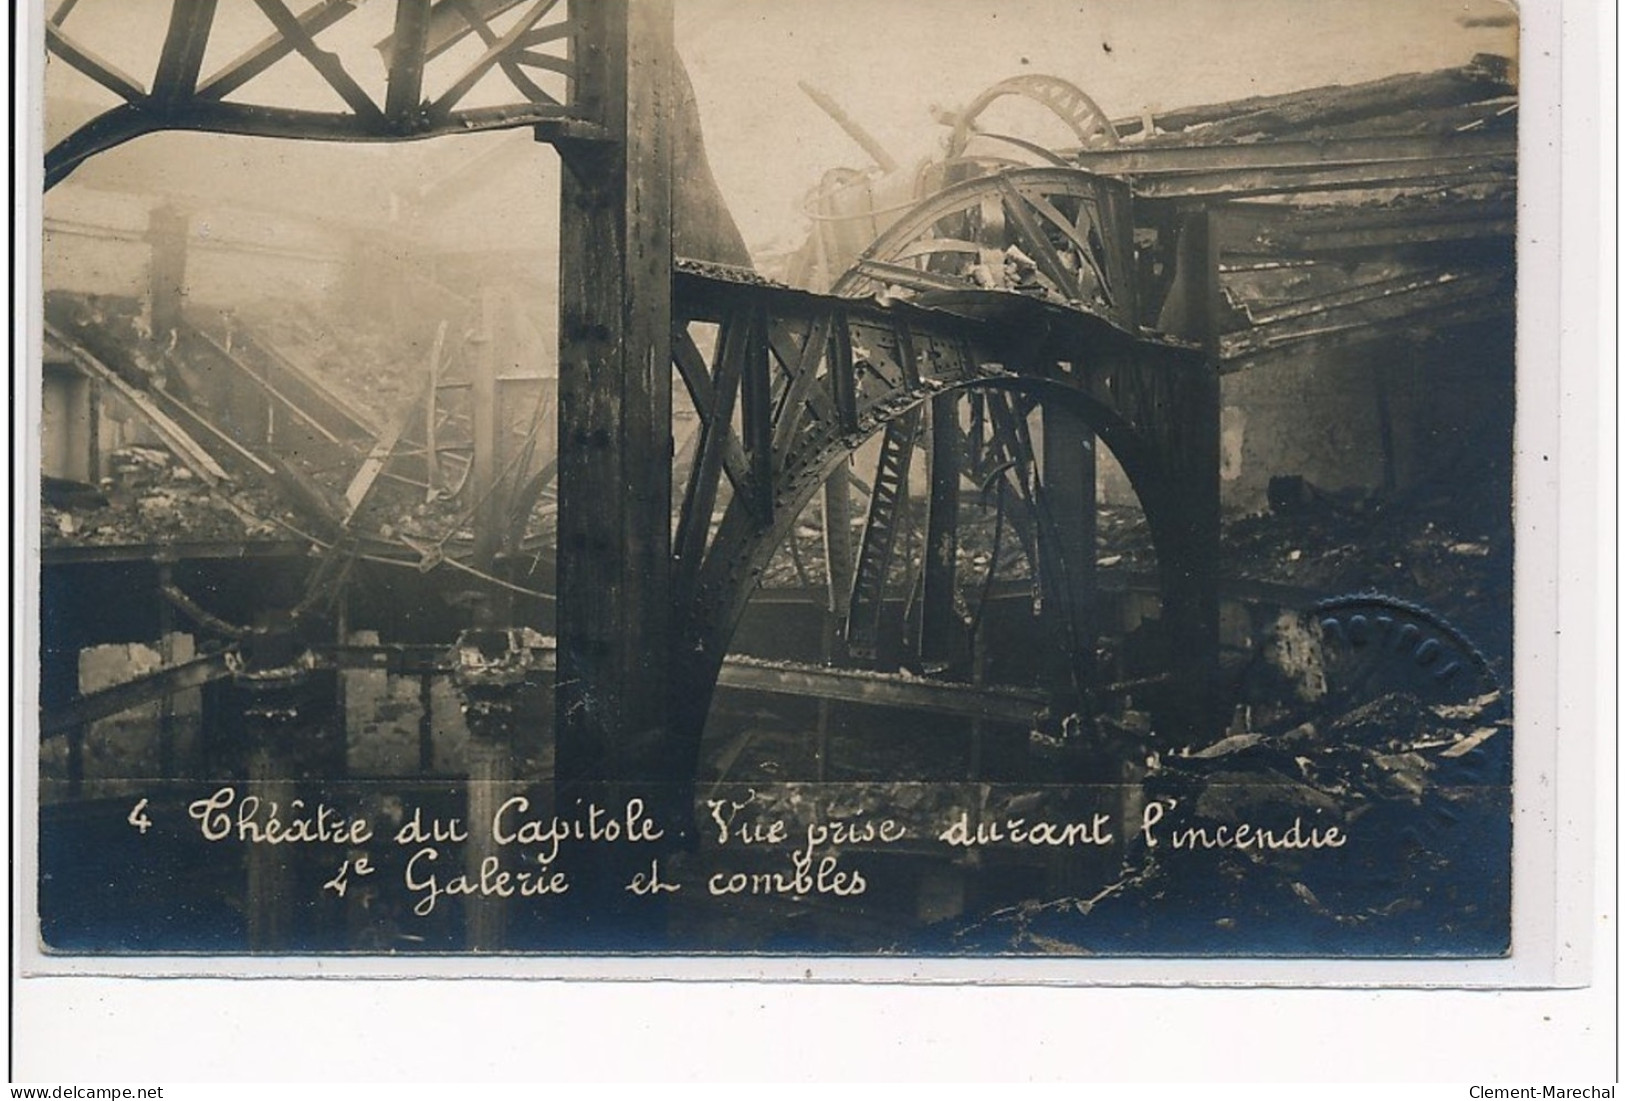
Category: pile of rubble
[148,496]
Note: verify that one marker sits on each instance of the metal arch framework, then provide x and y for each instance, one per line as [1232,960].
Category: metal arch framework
[815,376]
[408,105]
[1089,124]
[1077,227]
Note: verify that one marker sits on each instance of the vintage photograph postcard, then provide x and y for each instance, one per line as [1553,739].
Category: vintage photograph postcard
[717,478]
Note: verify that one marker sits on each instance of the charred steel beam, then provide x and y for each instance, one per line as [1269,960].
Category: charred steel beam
[201,425]
[940,626]
[1322,304]
[184,46]
[902,275]
[1154,401]
[1068,507]
[130,121]
[702,384]
[406,57]
[1037,240]
[716,440]
[801,393]
[1012,458]
[1032,198]
[341,415]
[63,10]
[614,705]
[383,448]
[756,417]
[1158,161]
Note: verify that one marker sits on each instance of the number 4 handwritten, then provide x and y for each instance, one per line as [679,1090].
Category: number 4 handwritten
[338,884]
[138,817]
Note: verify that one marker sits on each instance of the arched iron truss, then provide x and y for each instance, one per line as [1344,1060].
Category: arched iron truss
[423,92]
[814,376]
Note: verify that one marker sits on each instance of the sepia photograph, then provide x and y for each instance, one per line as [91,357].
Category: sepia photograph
[714,478]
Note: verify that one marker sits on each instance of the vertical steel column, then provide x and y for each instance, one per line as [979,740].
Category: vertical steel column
[941,629]
[490,781]
[1069,495]
[406,58]
[837,522]
[166,655]
[614,610]
[1188,554]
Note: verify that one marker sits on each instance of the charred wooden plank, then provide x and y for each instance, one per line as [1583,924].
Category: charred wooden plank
[1487,76]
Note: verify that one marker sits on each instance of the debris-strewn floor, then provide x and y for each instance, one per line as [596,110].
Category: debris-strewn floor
[148,497]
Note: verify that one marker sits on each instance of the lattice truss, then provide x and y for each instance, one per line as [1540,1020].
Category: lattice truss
[785,386]
[337,70]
